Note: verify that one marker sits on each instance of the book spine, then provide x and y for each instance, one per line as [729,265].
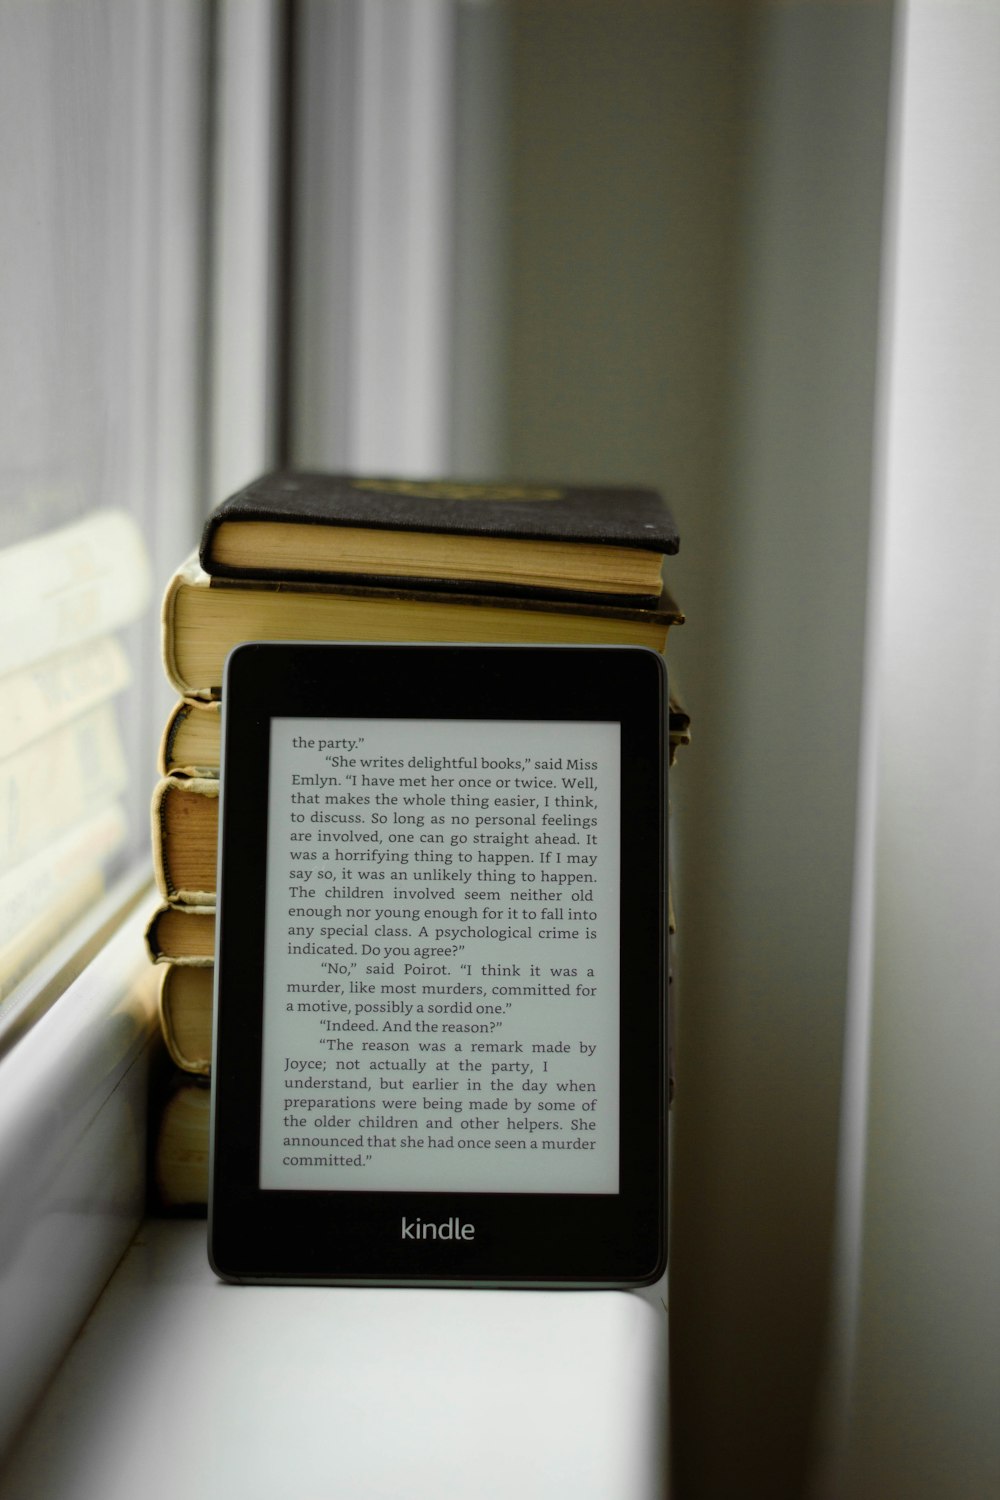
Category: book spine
[52,784]
[40,880]
[70,586]
[203,618]
[169,866]
[191,739]
[178,757]
[185,1006]
[188,575]
[41,697]
[180,1137]
[178,948]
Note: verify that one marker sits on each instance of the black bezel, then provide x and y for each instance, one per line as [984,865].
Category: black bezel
[529,1239]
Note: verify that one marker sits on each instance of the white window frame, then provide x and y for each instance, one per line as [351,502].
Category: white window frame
[74,1085]
[82,1029]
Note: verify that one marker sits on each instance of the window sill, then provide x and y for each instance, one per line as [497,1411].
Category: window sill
[73,1091]
[262,1391]
[353,1391]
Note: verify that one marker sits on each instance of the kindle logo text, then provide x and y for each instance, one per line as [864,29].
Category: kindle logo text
[451,1229]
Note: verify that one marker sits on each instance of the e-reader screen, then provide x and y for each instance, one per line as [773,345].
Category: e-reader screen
[440,992]
[441,986]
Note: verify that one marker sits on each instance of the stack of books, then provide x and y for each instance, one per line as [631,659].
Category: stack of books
[62,765]
[300,556]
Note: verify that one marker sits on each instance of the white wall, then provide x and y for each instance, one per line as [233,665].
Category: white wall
[682,287]
[695,238]
[919,1282]
[768,826]
[371,262]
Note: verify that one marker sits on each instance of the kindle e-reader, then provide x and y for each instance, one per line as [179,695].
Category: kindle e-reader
[439,1046]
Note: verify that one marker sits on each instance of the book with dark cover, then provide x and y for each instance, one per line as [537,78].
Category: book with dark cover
[289,525]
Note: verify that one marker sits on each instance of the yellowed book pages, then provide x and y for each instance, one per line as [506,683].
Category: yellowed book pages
[182,935]
[191,739]
[587,567]
[186,1015]
[203,619]
[185,829]
[39,698]
[180,1146]
[54,783]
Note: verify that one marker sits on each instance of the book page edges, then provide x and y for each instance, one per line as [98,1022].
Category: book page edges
[199,1067]
[166,765]
[151,935]
[203,786]
[342,552]
[630,626]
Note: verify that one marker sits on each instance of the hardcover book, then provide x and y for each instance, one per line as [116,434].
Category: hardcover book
[288,525]
[181,934]
[192,736]
[204,618]
[179,1146]
[189,745]
[185,816]
[337,557]
[186,1016]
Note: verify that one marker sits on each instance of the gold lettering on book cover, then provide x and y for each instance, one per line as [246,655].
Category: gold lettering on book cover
[432,490]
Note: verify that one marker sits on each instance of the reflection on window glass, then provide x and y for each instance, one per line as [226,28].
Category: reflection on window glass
[103,132]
